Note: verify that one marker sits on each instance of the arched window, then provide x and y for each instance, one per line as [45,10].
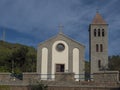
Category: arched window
[99,63]
[98,32]
[101,47]
[97,48]
[103,32]
[95,32]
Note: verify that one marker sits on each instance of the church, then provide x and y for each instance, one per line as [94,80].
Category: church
[61,54]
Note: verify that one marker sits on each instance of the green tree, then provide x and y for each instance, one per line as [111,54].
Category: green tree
[39,86]
[23,57]
[114,62]
[87,70]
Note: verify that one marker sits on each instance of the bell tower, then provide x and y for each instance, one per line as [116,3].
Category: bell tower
[98,44]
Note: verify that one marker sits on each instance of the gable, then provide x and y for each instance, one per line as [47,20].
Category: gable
[61,37]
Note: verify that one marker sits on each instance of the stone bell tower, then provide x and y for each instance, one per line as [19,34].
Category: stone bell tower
[98,44]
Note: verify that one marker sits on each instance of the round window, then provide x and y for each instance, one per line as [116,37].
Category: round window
[60,47]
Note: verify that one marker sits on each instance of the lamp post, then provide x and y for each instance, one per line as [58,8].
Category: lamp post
[13,70]
[12,66]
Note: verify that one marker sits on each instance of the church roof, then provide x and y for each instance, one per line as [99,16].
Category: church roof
[98,19]
[61,34]
[58,36]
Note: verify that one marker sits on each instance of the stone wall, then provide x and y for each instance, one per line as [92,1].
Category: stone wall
[30,77]
[8,79]
[107,80]
[62,76]
[106,76]
[12,87]
[60,88]
[81,88]
[5,77]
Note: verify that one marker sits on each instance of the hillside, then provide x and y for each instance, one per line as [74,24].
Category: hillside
[17,57]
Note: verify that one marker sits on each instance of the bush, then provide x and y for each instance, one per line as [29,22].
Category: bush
[39,86]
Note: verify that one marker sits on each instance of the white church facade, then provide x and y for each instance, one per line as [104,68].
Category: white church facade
[60,54]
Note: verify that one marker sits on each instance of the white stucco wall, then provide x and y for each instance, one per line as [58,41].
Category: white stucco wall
[59,57]
[76,62]
[44,64]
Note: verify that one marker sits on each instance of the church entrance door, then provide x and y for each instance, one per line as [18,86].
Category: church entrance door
[60,67]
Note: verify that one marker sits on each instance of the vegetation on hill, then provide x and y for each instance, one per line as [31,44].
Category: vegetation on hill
[17,58]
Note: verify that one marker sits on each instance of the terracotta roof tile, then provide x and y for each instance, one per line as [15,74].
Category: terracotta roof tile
[98,19]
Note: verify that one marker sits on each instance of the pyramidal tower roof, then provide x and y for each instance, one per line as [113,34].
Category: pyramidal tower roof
[98,19]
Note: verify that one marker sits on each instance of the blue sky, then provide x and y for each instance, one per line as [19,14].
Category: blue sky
[30,22]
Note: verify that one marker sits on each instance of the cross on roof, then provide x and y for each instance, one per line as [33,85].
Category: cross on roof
[60,28]
[97,10]
[3,36]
